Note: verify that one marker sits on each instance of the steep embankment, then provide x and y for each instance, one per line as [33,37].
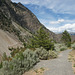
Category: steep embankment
[7,41]
[17,20]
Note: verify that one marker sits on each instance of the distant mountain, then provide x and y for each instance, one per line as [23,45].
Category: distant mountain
[19,21]
[12,13]
[72,36]
[72,33]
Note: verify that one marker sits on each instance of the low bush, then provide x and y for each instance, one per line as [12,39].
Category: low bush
[57,46]
[60,47]
[52,54]
[42,53]
[73,46]
[22,62]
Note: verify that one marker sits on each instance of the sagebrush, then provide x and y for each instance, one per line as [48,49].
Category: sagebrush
[20,63]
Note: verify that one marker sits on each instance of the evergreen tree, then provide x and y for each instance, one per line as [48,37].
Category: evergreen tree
[66,38]
[41,39]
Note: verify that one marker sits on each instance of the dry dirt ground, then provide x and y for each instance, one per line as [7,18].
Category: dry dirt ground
[39,71]
[6,40]
[58,66]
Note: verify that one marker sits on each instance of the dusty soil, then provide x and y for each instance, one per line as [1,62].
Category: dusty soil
[38,71]
[72,58]
[7,41]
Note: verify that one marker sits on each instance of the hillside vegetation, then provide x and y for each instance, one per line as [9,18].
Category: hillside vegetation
[24,41]
[23,59]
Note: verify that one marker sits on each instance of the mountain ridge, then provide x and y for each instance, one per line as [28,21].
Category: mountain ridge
[18,13]
[20,22]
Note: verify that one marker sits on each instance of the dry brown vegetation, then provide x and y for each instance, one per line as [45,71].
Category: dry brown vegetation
[39,71]
[72,59]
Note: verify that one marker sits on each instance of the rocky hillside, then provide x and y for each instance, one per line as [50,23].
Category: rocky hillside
[12,14]
[17,20]
[7,40]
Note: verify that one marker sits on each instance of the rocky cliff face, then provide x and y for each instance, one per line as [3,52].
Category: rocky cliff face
[15,16]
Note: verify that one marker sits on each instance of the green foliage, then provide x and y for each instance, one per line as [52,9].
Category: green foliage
[57,46]
[66,38]
[1,65]
[25,45]
[74,65]
[22,62]
[4,57]
[52,54]
[41,39]
[42,53]
[60,47]
[14,52]
[73,46]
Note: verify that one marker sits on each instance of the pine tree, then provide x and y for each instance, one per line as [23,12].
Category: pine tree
[66,38]
[41,39]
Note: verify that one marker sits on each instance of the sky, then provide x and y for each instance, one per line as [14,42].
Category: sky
[56,15]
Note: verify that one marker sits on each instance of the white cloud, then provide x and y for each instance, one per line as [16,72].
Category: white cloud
[68,27]
[57,22]
[59,6]
[27,1]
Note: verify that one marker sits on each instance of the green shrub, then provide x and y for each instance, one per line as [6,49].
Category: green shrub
[66,38]
[42,53]
[1,65]
[31,56]
[4,57]
[74,65]
[60,47]
[57,46]
[73,46]
[52,54]
[63,48]
[14,52]
[25,45]
[22,62]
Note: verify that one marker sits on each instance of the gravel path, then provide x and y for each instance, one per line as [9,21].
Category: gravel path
[58,66]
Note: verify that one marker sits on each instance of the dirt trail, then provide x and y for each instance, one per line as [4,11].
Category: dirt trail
[59,66]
